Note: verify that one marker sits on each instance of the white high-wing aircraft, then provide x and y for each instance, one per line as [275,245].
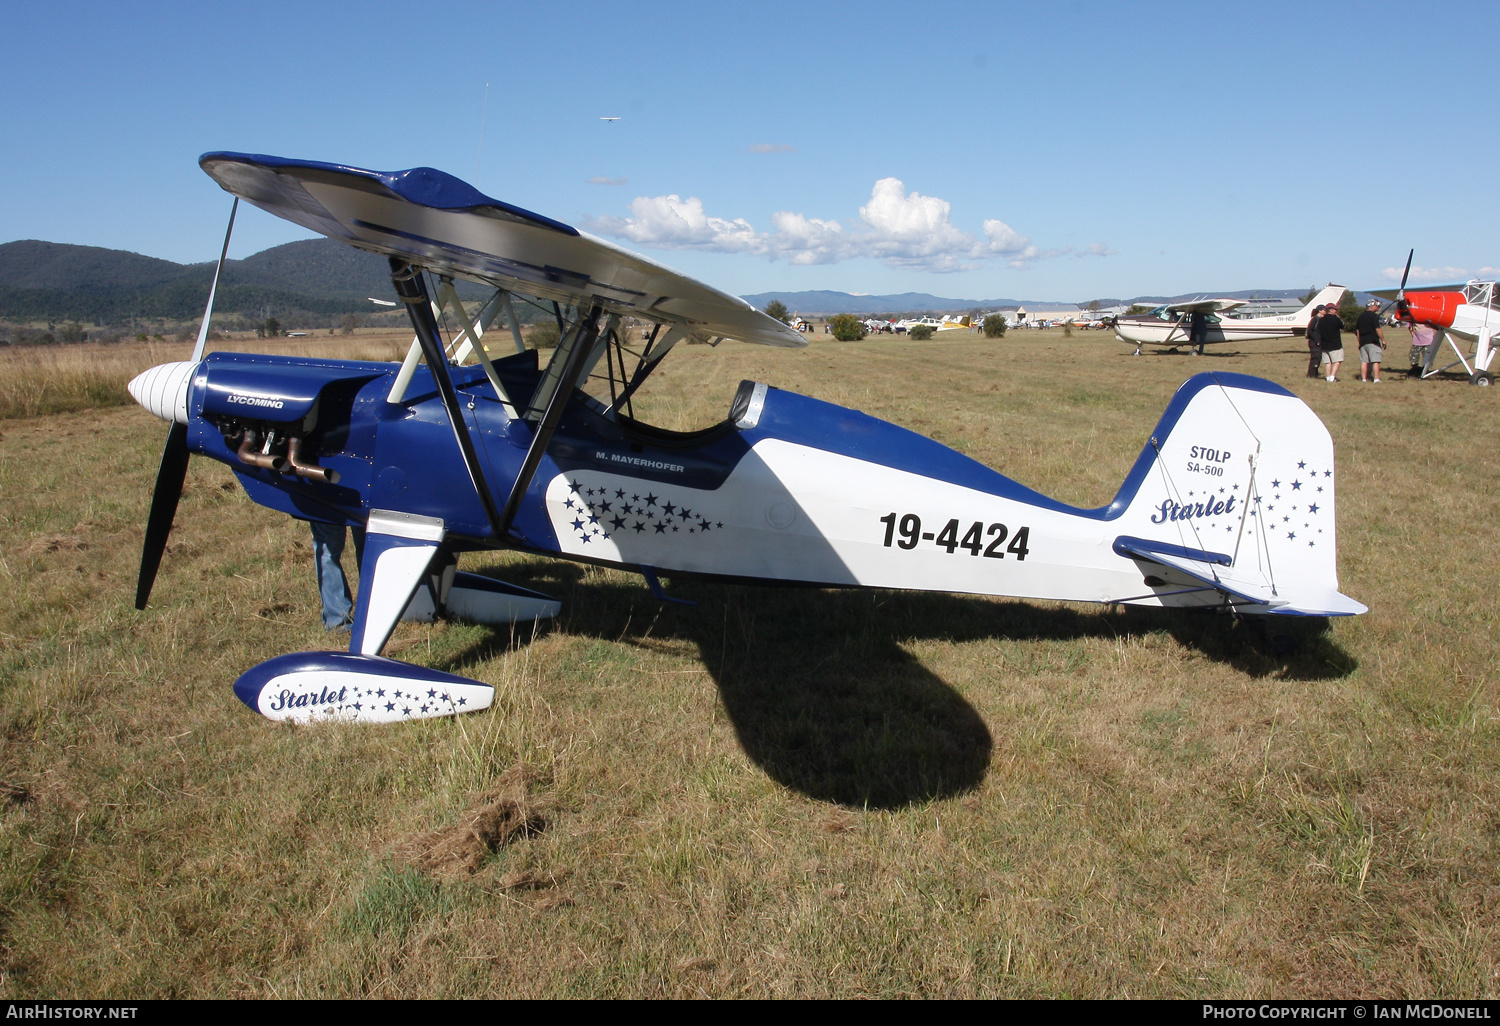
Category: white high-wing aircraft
[1172,325]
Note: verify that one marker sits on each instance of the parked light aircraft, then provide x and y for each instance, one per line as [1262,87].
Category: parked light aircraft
[459,448]
[1467,310]
[1171,325]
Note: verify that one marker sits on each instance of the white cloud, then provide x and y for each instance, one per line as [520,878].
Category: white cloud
[671,222]
[1015,248]
[808,240]
[601,180]
[772,148]
[1429,273]
[903,229]
[912,230]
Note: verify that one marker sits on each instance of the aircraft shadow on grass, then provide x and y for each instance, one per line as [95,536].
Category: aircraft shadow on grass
[825,698]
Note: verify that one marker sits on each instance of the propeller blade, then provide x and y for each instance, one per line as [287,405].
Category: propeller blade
[1401,292]
[209,311]
[174,455]
[169,479]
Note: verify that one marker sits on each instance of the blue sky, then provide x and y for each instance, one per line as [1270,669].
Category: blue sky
[1033,150]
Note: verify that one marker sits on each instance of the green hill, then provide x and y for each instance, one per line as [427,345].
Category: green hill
[55,266]
[314,278]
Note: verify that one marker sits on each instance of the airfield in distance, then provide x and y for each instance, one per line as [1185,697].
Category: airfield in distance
[317,282]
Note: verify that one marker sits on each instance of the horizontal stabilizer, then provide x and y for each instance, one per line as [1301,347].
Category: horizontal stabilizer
[1204,567]
[1148,549]
[1200,567]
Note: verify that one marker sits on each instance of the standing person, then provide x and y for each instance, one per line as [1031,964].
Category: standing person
[1371,342]
[1331,342]
[1314,350]
[1422,338]
[1198,332]
[333,586]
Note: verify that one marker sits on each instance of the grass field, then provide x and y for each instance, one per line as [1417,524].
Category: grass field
[775,793]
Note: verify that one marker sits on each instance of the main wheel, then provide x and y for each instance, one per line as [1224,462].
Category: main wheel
[1482,378]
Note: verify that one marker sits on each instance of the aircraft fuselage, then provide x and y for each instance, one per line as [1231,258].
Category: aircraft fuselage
[788,489]
[1145,330]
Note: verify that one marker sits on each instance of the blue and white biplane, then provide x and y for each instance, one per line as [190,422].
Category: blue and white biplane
[467,446]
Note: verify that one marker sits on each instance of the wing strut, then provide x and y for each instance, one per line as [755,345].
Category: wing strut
[574,366]
[413,292]
[649,359]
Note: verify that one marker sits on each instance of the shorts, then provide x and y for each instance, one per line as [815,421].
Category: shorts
[1331,356]
[1371,352]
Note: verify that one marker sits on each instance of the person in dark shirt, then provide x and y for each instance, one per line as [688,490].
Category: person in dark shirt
[1314,350]
[1371,342]
[1198,331]
[1331,342]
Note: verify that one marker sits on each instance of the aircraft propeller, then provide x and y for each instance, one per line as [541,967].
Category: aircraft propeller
[172,472]
[1400,300]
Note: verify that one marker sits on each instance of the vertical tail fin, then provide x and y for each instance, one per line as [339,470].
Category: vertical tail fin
[1331,294]
[1235,491]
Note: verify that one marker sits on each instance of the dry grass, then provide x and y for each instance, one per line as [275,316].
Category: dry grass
[38,380]
[777,792]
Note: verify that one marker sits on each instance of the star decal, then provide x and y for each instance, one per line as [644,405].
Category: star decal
[598,518]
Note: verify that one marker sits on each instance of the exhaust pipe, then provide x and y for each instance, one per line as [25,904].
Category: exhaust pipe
[257,459]
[311,471]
